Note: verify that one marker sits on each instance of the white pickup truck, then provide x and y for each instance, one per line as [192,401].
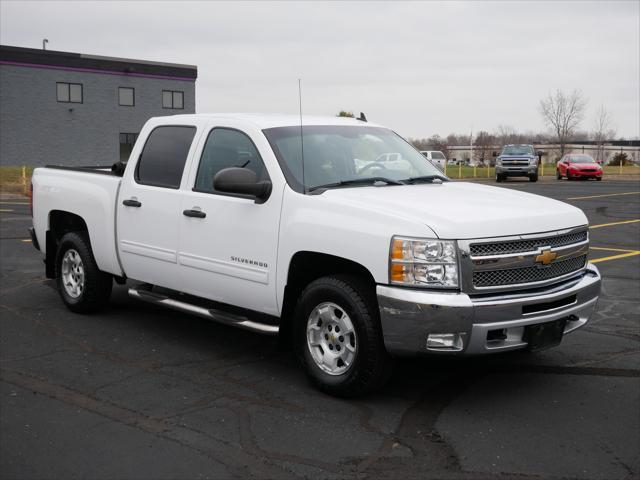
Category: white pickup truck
[268,223]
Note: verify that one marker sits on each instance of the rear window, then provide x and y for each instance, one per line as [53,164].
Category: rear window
[164,155]
[437,156]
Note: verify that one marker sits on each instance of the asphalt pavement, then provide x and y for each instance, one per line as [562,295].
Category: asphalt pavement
[139,392]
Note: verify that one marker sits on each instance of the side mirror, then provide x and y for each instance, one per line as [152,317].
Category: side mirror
[494,154]
[242,181]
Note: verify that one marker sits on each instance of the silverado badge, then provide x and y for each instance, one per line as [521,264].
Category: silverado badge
[546,257]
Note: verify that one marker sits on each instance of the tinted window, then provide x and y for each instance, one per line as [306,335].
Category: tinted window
[162,160]
[227,148]
[437,156]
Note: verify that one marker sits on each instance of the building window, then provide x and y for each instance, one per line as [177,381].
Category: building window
[69,92]
[126,97]
[127,141]
[172,99]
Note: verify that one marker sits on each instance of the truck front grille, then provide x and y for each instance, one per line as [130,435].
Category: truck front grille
[518,246]
[515,163]
[516,276]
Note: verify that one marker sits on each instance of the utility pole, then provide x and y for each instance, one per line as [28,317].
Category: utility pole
[471,147]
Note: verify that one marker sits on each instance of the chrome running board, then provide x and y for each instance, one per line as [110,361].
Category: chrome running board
[143,293]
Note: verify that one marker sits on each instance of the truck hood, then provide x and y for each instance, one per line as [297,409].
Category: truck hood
[458,210]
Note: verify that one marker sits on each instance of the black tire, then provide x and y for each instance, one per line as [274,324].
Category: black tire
[599,179]
[533,177]
[96,285]
[500,177]
[372,364]
[558,176]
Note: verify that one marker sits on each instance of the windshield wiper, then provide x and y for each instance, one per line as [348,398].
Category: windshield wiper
[425,178]
[355,181]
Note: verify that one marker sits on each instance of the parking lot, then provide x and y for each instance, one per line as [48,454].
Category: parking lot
[141,392]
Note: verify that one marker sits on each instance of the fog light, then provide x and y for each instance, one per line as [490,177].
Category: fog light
[444,341]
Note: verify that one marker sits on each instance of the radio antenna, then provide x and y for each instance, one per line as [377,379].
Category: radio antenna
[304,185]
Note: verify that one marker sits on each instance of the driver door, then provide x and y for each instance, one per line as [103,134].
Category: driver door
[228,251]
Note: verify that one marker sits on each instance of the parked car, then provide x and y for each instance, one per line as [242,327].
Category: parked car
[436,157]
[578,165]
[227,218]
[517,161]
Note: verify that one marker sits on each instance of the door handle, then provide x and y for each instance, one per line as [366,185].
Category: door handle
[131,203]
[194,213]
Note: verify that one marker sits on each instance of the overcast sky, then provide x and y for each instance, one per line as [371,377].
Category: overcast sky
[419,67]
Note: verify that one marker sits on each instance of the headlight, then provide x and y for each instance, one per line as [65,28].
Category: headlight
[423,263]
[499,162]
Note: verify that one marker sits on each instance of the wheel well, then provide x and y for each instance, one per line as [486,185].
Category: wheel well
[304,268]
[60,223]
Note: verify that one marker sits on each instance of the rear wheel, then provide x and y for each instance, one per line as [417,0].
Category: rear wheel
[338,337]
[82,286]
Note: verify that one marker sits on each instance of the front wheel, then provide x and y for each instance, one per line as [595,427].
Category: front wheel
[500,177]
[338,337]
[82,286]
[558,175]
[533,177]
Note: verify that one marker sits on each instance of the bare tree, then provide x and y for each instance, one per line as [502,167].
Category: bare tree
[482,147]
[506,134]
[563,113]
[602,132]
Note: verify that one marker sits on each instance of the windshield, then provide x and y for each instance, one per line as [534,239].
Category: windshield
[334,154]
[517,150]
[581,159]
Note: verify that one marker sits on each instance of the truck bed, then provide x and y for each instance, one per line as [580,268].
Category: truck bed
[99,169]
[88,192]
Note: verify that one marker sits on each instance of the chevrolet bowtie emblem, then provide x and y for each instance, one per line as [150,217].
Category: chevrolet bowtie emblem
[546,257]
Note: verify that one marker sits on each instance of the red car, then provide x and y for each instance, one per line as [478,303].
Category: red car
[575,166]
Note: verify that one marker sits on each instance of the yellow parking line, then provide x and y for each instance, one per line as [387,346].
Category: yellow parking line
[26,240]
[605,195]
[614,223]
[615,257]
[5,210]
[14,203]
[612,249]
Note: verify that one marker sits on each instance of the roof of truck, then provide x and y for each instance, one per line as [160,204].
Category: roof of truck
[271,120]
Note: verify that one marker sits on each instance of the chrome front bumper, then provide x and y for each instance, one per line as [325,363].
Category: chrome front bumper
[517,170]
[409,316]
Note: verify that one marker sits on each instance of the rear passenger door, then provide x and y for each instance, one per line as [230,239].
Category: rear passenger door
[228,252]
[148,210]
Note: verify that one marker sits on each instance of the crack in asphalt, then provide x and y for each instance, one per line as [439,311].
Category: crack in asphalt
[157,427]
